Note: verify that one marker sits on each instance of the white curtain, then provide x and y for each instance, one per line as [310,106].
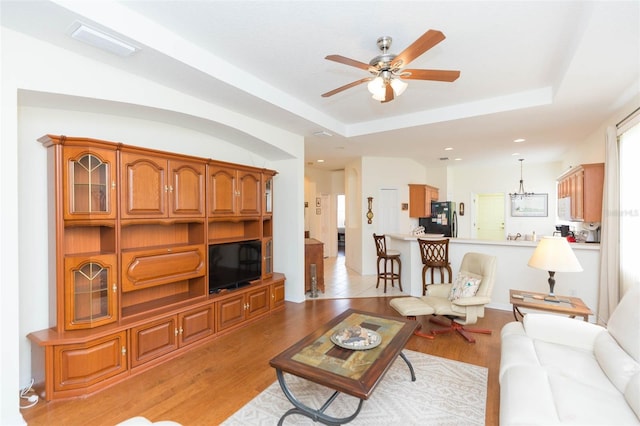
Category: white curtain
[609,292]
[629,204]
[620,215]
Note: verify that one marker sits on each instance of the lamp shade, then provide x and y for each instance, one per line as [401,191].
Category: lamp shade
[554,254]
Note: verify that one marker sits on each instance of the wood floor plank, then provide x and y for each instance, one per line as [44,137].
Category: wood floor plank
[208,384]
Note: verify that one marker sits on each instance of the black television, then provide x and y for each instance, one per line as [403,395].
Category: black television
[234,265]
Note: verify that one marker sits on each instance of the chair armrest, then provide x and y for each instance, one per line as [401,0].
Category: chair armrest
[561,330]
[439,290]
[471,301]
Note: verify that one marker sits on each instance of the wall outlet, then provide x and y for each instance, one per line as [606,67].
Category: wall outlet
[573,292]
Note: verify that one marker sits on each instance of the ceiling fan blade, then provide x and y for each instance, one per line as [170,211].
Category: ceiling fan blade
[436,75]
[348,61]
[418,47]
[388,93]
[346,86]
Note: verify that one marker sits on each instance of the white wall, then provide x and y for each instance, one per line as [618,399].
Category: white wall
[160,111]
[538,178]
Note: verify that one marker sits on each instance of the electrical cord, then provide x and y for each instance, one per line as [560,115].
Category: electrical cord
[32,399]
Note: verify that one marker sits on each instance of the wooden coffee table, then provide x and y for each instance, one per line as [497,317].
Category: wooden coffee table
[352,372]
[572,306]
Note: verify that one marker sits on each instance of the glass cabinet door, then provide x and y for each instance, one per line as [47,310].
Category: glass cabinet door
[268,195]
[91,291]
[91,183]
[267,257]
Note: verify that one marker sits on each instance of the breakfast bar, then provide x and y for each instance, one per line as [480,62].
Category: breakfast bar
[512,270]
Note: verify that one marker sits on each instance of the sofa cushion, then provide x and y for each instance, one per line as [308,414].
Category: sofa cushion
[632,394]
[561,330]
[624,323]
[614,361]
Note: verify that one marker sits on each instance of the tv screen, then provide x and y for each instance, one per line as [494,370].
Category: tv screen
[233,265]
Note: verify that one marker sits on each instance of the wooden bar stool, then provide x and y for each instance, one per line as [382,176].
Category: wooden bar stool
[389,258]
[435,255]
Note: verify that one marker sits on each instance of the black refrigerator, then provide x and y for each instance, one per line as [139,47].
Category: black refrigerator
[443,219]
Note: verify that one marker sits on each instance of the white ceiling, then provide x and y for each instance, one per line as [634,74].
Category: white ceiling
[548,71]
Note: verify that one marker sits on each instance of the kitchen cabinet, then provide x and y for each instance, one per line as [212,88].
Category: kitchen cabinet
[580,193]
[420,198]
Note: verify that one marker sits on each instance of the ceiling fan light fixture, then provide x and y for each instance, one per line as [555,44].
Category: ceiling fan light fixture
[398,86]
[376,88]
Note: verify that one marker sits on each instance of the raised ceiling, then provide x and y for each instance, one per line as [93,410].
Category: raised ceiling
[550,72]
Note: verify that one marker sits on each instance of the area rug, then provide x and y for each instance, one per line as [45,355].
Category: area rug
[445,392]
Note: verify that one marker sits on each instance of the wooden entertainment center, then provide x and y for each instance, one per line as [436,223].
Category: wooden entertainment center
[129,235]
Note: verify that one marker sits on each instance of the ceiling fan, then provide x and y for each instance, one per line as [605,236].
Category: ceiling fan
[387,70]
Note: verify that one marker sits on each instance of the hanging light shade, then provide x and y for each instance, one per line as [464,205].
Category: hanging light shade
[377,86]
[521,193]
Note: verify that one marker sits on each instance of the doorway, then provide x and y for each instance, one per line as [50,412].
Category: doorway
[489,216]
[340,219]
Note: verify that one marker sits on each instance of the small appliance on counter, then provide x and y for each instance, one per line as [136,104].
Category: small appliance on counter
[590,232]
[443,219]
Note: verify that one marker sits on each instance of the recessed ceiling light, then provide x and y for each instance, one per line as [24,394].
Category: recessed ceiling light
[320,161]
[457,159]
[519,140]
[102,40]
[448,148]
[515,153]
[322,134]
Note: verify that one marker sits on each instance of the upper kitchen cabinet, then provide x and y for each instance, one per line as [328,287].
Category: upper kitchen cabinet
[420,198]
[157,187]
[233,191]
[580,193]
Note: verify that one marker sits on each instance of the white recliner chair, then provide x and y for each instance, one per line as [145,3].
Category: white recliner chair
[462,301]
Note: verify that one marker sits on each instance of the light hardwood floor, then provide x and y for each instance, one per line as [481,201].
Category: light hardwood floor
[208,384]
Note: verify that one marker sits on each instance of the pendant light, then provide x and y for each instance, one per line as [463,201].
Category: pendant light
[521,192]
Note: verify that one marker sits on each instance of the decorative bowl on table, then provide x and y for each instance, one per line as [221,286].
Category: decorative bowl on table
[356,338]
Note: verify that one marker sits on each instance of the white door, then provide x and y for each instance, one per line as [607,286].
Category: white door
[489,217]
[387,212]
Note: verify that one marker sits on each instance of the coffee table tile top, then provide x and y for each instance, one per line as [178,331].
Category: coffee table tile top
[323,354]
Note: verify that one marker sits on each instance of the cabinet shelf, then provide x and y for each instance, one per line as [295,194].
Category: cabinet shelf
[160,306]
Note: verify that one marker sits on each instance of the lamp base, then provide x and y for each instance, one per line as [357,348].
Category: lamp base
[551,298]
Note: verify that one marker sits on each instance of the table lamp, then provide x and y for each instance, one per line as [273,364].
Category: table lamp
[554,254]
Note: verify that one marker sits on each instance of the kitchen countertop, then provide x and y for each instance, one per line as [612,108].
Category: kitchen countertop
[520,243]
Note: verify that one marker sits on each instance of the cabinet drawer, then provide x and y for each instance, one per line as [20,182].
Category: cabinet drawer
[85,364]
[150,268]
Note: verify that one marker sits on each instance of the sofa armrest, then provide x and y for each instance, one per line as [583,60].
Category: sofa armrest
[472,301]
[561,330]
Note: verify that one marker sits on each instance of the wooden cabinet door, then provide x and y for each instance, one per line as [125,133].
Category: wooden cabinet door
[230,311]
[267,191]
[417,201]
[89,179]
[222,191]
[258,301]
[249,193]
[81,365]
[150,268]
[277,294]
[90,293]
[197,324]
[144,186]
[186,190]
[154,339]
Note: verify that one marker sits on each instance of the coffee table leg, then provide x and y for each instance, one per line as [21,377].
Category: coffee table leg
[413,374]
[315,415]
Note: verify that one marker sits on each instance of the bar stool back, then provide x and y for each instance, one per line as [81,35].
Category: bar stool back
[435,255]
[388,259]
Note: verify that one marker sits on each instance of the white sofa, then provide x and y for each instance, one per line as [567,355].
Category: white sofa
[558,370]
